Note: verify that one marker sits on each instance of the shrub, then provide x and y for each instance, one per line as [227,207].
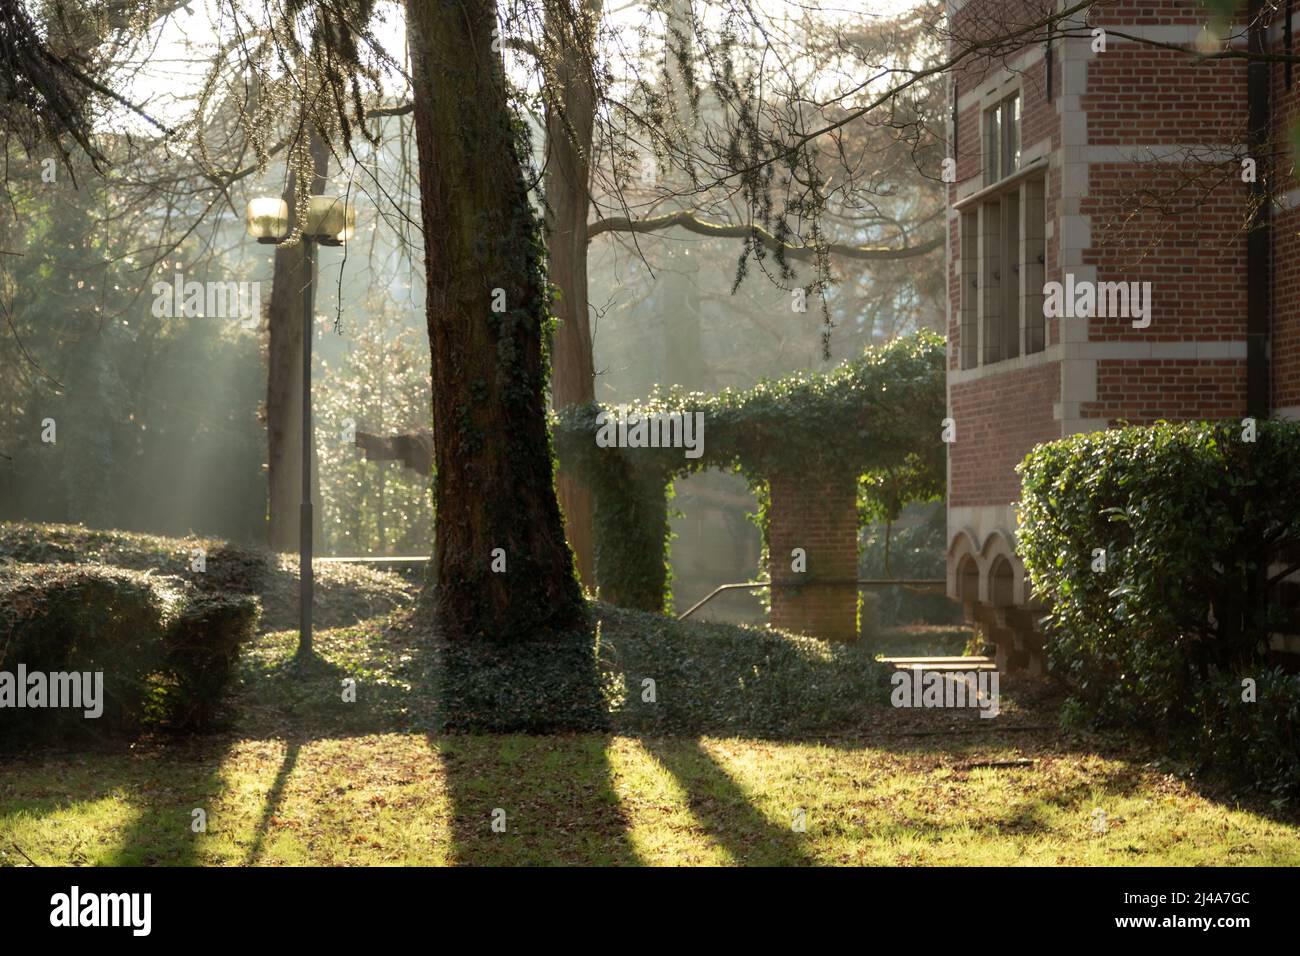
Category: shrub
[165,650]
[1155,549]
[231,568]
[345,593]
[1256,743]
[202,647]
[81,618]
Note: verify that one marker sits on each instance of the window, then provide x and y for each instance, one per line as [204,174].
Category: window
[1034,262]
[1003,249]
[1002,140]
[969,289]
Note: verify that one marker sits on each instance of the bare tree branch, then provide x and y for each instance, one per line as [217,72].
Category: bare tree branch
[717,230]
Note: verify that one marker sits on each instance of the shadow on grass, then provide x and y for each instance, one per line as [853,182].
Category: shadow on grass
[282,696]
[524,736]
[528,729]
[274,798]
[165,779]
[724,809]
[161,832]
[162,785]
[534,801]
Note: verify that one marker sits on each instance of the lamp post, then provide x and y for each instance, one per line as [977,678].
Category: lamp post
[330,222]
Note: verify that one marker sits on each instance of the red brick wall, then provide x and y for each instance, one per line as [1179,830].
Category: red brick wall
[1141,392]
[1141,94]
[1286,305]
[999,419]
[1286,239]
[820,515]
[1179,229]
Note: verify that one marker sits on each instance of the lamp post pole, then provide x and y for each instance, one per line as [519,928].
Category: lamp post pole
[329,222]
[305,509]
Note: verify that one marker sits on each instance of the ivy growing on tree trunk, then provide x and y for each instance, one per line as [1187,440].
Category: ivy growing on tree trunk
[489,318]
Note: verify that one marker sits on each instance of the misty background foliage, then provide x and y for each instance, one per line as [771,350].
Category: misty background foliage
[155,422]
[379,385]
[160,422]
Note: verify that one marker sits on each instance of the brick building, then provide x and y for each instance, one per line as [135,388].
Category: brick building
[1079,163]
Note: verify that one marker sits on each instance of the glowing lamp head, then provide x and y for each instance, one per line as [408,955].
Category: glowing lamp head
[268,219]
[330,221]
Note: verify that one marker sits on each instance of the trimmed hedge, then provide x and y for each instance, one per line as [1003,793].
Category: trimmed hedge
[1191,521]
[70,618]
[345,593]
[202,648]
[166,650]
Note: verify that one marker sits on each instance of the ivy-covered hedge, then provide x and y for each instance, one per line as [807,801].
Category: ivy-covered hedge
[201,651]
[166,650]
[1158,550]
[67,618]
[878,417]
[345,593]
[649,675]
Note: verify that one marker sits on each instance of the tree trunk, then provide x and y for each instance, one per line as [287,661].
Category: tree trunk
[487,313]
[679,280]
[570,37]
[284,381]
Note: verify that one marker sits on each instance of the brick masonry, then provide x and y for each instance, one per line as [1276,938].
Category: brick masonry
[1143,149]
[819,515]
[998,420]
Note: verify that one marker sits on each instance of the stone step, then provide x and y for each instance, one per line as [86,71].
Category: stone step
[943,663]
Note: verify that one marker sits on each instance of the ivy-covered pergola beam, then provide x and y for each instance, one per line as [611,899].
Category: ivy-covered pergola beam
[876,420]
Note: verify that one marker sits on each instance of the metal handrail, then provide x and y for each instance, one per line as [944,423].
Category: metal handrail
[395,559]
[914,583]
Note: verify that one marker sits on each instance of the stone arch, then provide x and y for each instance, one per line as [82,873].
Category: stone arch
[1004,574]
[964,567]
[967,573]
[1002,582]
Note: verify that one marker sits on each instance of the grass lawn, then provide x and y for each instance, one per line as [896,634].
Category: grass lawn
[707,744]
[407,799]
[301,777]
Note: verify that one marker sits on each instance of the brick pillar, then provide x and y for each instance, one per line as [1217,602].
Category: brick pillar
[819,515]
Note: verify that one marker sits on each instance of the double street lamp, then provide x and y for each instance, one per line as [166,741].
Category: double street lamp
[330,222]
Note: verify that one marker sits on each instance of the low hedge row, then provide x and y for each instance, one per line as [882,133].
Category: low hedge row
[1161,551]
[345,593]
[166,650]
